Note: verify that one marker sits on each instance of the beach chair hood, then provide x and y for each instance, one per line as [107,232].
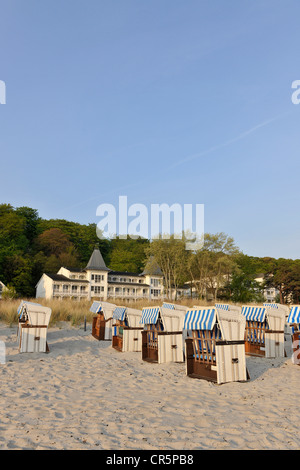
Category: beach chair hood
[34,312]
[132,316]
[232,325]
[105,307]
[172,319]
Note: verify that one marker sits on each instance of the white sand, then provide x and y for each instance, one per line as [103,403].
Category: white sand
[86,395]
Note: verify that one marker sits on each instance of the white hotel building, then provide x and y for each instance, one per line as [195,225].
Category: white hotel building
[97,281]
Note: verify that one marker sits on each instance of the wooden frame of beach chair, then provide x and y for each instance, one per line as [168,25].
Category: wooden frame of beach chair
[32,327]
[294,323]
[264,333]
[102,322]
[126,336]
[216,350]
[162,337]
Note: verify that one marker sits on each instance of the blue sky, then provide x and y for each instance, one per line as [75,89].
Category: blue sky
[162,101]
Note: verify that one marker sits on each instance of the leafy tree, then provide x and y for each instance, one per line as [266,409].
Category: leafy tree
[243,288]
[171,256]
[211,266]
[31,221]
[128,254]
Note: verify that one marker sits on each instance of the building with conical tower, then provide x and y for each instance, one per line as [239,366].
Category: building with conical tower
[98,282]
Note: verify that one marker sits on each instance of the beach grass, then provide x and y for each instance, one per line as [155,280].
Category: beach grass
[76,312]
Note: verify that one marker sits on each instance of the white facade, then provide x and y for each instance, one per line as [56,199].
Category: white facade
[97,282]
[269,293]
[58,286]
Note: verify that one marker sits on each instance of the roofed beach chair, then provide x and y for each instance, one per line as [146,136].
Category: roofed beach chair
[286,309]
[32,327]
[127,331]
[162,336]
[216,351]
[294,322]
[264,333]
[102,323]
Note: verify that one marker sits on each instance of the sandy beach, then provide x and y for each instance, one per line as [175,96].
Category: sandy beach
[86,395]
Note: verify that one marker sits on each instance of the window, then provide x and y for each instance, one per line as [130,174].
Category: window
[55,287]
[155,292]
[82,288]
[98,289]
[97,277]
[155,282]
[65,288]
[74,289]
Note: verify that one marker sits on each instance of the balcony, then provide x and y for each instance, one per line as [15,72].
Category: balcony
[126,295]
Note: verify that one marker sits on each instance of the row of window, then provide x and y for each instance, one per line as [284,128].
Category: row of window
[97,277]
[65,288]
[124,290]
[125,279]
[97,289]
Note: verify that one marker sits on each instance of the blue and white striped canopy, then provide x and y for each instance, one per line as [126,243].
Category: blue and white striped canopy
[166,305]
[149,315]
[119,313]
[271,305]
[96,307]
[203,319]
[222,306]
[254,313]
[294,315]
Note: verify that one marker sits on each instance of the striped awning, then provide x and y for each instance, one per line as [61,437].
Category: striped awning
[271,305]
[119,313]
[254,313]
[166,305]
[96,307]
[203,319]
[149,315]
[222,306]
[294,315]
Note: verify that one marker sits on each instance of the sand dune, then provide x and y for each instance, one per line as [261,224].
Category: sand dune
[86,395]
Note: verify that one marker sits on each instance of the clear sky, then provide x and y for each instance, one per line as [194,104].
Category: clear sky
[164,101]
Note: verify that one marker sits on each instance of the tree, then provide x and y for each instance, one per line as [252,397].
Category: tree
[284,275]
[128,254]
[31,221]
[210,267]
[243,288]
[171,256]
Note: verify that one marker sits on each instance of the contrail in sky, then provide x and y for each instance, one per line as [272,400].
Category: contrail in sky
[229,142]
[191,157]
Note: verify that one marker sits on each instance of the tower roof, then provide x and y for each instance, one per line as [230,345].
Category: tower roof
[96,262]
[152,268]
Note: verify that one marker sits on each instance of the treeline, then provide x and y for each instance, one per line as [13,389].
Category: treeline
[30,245]
[221,271]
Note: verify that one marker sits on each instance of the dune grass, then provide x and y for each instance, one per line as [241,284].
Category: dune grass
[75,312]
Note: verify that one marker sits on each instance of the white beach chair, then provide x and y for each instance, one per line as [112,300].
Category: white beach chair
[127,331]
[162,337]
[33,326]
[216,351]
